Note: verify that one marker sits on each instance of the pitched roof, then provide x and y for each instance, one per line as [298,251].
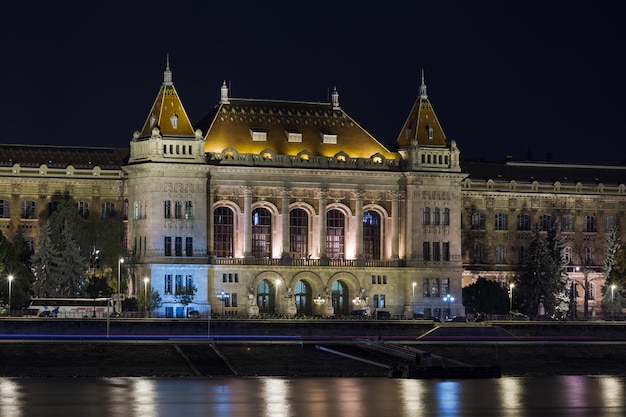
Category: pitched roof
[167,112]
[422,124]
[60,156]
[545,173]
[287,128]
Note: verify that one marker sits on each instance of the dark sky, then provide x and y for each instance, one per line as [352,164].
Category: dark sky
[505,78]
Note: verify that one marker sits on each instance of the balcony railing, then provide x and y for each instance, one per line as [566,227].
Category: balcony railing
[309,262]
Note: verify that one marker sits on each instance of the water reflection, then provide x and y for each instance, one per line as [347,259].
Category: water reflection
[318,397]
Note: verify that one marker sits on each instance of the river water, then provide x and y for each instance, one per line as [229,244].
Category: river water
[593,396]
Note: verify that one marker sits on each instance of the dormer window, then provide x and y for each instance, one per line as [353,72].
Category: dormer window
[174,121]
[329,138]
[258,135]
[294,137]
[430,131]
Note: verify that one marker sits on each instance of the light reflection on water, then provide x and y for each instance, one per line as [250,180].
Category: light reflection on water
[319,397]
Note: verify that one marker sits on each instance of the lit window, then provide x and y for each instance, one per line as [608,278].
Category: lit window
[258,135]
[329,138]
[295,137]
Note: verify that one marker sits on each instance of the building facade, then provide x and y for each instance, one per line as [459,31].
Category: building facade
[270,207]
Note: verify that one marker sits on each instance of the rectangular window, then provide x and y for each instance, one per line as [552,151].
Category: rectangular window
[478,221]
[28,209]
[500,254]
[567,223]
[83,209]
[4,209]
[178,209]
[445,285]
[446,251]
[426,216]
[375,301]
[436,215]
[523,222]
[233,299]
[425,288]
[329,138]
[293,136]
[446,217]
[477,254]
[179,284]
[381,301]
[590,223]
[108,210]
[434,289]
[189,246]
[188,210]
[590,291]
[178,246]
[426,251]
[611,223]
[258,135]
[224,277]
[545,221]
[226,299]
[501,221]
[373,279]
[189,282]
[168,284]
[168,246]
[589,256]
[523,254]
[167,209]
[436,251]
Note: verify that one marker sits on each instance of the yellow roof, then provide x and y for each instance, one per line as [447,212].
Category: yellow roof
[422,124]
[288,128]
[168,113]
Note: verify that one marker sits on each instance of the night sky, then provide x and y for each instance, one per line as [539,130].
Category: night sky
[534,79]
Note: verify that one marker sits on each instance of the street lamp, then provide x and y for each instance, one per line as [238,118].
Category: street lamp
[612,309]
[145,293]
[511,286]
[413,298]
[10,278]
[448,299]
[276,301]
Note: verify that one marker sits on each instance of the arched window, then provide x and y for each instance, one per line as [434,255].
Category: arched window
[335,234]
[302,295]
[371,235]
[264,298]
[223,232]
[261,233]
[299,233]
[340,297]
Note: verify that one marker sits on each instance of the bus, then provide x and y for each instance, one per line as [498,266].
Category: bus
[69,307]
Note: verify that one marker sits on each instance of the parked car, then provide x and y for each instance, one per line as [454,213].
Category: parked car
[193,314]
[359,313]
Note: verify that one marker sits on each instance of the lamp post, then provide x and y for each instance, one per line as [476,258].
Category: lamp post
[10,278]
[448,299]
[276,300]
[413,298]
[612,309]
[511,286]
[145,293]
[119,281]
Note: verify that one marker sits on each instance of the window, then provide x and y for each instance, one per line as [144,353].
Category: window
[588,256]
[108,209]
[590,291]
[590,224]
[189,246]
[293,136]
[29,210]
[178,246]
[436,215]
[436,251]
[545,221]
[4,209]
[434,289]
[52,207]
[258,135]
[335,234]
[371,235]
[523,221]
[611,223]
[426,251]
[135,210]
[375,301]
[381,301]
[168,246]
[233,299]
[167,209]
[329,138]
[523,254]
[477,254]
[426,216]
[425,288]
[178,209]
[261,233]
[168,284]
[223,232]
[567,223]
[299,233]
[446,217]
[179,284]
[567,254]
[478,221]
[445,285]
[29,241]
[500,254]
[188,210]
[501,221]
[189,282]
[446,251]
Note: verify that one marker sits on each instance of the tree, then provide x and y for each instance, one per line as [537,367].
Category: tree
[540,281]
[184,295]
[150,303]
[555,245]
[11,264]
[73,265]
[614,269]
[485,297]
[45,264]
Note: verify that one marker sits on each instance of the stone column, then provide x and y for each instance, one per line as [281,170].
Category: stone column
[286,256]
[209,222]
[358,214]
[247,221]
[395,196]
[323,194]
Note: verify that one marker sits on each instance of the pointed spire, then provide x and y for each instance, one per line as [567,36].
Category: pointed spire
[335,98]
[224,94]
[167,74]
[423,94]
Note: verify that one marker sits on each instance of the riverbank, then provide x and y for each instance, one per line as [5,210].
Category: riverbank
[289,360]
